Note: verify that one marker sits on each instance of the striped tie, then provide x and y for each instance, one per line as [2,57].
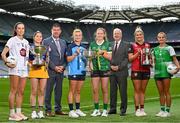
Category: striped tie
[58,47]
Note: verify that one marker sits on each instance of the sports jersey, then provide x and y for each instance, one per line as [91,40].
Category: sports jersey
[40,71]
[78,65]
[19,49]
[99,62]
[136,63]
[162,56]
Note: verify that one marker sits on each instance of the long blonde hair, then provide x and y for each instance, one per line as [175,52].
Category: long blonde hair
[138,29]
[105,34]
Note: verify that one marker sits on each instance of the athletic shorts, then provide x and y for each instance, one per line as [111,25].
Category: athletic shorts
[161,78]
[20,73]
[140,75]
[76,77]
[100,73]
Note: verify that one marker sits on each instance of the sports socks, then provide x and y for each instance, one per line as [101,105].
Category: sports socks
[18,110]
[77,105]
[12,111]
[162,108]
[105,106]
[167,109]
[96,105]
[70,106]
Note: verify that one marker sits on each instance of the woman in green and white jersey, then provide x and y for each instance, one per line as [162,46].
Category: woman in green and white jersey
[162,55]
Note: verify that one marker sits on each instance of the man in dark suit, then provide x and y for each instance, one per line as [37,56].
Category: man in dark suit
[57,63]
[119,68]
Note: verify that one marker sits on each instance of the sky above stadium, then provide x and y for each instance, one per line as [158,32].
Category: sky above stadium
[124,3]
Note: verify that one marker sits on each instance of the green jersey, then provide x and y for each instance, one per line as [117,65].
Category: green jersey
[162,55]
[99,62]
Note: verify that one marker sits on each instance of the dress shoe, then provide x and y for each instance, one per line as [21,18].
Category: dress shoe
[122,114]
[112,112]
[60,113]
[50,114]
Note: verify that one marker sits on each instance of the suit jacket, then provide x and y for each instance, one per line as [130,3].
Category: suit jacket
[54,56]
[120,59]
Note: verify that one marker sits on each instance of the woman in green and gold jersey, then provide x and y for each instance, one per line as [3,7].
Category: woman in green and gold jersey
[100,70]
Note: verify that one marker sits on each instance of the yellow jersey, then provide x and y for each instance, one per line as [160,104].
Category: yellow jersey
[38,72]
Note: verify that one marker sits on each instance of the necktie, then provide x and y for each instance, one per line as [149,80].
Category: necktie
[58,47]
[116,47]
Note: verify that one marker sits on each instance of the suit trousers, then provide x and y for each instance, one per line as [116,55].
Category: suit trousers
[54,82]
[116,82]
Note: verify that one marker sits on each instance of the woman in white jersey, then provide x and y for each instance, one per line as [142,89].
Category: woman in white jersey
[17,47]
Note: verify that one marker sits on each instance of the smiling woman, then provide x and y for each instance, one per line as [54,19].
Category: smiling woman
[17,47]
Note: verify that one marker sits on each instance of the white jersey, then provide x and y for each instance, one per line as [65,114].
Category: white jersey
[19,49]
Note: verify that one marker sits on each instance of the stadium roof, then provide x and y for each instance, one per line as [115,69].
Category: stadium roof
[54,10]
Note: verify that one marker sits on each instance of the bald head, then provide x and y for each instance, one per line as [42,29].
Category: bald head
[117,34]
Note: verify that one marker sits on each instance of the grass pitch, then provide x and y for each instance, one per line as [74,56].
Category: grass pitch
[151,104]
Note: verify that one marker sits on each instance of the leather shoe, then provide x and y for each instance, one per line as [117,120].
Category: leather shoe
[112,112]
[122,114]
[50,114]
[60,113]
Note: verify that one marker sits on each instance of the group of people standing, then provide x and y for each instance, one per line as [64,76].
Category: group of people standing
[110,63]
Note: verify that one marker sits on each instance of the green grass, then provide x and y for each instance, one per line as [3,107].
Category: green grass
[151,104]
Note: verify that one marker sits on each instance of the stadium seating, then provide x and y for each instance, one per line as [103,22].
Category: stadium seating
[150,29]
[7,22]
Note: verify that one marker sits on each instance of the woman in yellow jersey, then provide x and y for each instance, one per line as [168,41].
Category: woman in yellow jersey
[38,77]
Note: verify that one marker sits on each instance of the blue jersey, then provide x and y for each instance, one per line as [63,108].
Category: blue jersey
[78,65]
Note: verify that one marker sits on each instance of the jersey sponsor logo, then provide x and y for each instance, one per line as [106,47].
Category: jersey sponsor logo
[23,52]
[135,74]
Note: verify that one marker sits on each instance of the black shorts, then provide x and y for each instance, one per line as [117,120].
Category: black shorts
[76,77]
[140,75]
[161,78]
[100,73]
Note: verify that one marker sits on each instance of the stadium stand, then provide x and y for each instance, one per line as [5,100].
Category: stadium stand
[54,10]
[151,29]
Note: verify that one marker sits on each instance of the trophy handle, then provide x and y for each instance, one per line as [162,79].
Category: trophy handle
[47,58]
[31,49]
[90,65]
[152,57]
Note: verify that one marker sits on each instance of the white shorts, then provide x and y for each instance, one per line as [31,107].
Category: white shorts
[18,72]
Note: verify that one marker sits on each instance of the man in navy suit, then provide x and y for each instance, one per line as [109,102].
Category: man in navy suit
[57,63]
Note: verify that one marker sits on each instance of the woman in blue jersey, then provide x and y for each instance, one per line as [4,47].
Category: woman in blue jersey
[76,73]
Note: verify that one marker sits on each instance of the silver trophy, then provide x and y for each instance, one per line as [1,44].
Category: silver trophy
[89,54]
[145,57]
[40,55]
